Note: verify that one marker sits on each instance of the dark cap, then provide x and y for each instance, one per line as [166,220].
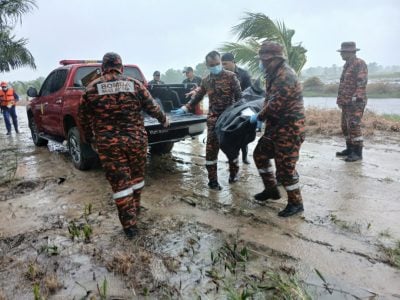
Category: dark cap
[187,69]
[227,57]
[270,49]
[111,61]
[156,73]
[348,47]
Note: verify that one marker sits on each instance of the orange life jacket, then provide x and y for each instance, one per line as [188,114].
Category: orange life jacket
[7,98]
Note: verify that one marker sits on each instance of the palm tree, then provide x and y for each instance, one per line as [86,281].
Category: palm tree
[252,31]
[13,53]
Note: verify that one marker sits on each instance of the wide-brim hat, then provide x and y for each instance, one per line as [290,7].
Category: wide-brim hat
[348,47]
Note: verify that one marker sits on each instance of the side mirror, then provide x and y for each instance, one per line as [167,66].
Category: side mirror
[32,92]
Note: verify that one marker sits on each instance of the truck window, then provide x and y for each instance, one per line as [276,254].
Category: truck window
[82,72]
[134,73]
[85,70]
[53,82]
[46,86]
[59,80]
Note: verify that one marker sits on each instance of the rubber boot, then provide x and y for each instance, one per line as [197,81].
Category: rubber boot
[355,155]
[346,151]
[295,204]
[269,193]
[127,215]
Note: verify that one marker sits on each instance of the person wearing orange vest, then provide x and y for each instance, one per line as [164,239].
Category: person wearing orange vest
[7,102]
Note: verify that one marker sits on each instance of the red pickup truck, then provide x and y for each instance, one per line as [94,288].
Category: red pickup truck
[52,113]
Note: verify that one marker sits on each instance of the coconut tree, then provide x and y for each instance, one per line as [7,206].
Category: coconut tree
[13,51]
[252,31]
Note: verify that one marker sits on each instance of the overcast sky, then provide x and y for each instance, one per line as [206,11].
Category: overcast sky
[173,34]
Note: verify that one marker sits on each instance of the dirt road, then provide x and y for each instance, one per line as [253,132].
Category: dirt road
[60,237]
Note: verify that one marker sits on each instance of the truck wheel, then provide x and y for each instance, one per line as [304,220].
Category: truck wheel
[38,141]
[83,156]
[162,148]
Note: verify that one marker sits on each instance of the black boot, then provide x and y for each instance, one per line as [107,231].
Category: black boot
[214,185]
[291,209]
[131,232]
[268,193]
[346,151]
[355,155]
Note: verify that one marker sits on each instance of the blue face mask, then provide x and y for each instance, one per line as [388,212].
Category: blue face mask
[215,70]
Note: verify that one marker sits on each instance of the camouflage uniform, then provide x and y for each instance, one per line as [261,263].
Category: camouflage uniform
[110,116]
[222,90]
[284,118]
[352,99]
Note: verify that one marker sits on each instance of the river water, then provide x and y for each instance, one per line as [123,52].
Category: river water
[380,106]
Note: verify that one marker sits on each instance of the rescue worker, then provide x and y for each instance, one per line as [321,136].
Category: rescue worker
[8,98]
[352,99]
[110,116]
[228,62]
[283,113]
[190,77]
[223,89]
[156,78]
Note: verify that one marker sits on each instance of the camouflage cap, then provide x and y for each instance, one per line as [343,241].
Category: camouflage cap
[270,49]
[111,61]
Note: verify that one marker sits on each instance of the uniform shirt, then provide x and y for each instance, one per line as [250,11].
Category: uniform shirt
[195,79]
[244,78]
[222,90]
[353,82]
[283,100]
[155,82]
[108,113]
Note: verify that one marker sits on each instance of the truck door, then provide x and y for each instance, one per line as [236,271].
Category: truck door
[52,101]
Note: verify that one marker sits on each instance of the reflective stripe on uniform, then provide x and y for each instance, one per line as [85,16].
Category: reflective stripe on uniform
[211,162]
[267,170]
[123,193]
[358,139]
[138,185]
[292,187]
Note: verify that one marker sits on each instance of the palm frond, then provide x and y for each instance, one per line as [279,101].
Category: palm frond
[256,25]
[11,11]
[13,53]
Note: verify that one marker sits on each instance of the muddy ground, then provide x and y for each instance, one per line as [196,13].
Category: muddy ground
[60,237]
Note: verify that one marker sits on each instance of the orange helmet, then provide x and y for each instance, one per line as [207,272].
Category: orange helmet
[3,83]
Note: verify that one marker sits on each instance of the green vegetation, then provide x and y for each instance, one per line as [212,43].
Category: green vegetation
[229,272]
[252,31]
[391,117]
[13,53]
[392,254]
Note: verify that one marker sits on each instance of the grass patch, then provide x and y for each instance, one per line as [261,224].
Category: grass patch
[391,117]
[392,254]
[229,273]
[385,233]
[327,122]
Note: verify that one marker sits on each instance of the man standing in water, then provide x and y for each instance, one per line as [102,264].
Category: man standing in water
[110,116]
[352,99]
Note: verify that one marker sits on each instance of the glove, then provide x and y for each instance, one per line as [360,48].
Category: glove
[180,111]
[253,119]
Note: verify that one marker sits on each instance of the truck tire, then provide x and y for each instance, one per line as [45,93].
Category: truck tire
[38,141]
[82,154]
[162,148]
